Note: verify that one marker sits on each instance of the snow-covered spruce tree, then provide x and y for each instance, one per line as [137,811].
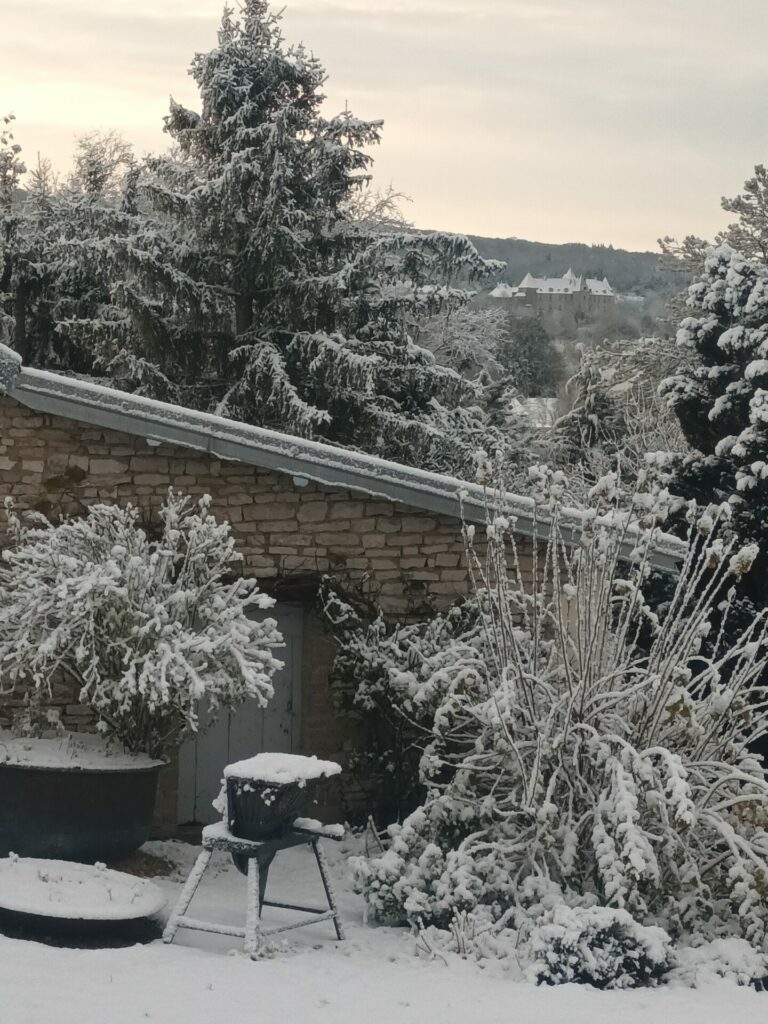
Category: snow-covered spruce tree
[248,285]
[583,749]
[530,358]
[721,399]
[45,281]
[467,339]
[146,629]
[749,233]
[22,269]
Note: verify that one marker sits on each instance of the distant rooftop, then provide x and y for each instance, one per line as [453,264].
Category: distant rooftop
[568,284]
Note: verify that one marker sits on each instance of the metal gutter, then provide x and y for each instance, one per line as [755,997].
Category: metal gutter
[162,423]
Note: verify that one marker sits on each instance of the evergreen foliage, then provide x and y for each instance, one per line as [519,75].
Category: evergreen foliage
[529,357]
[721,400]
[242,280]
[46,280]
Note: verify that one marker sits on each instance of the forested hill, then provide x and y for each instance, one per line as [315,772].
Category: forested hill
[628,272]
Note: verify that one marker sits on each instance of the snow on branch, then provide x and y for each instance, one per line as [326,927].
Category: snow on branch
[147,629]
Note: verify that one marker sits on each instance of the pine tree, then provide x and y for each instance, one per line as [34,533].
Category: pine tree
[242,284]
[749,234]
[722,400]
[49,231]
[20,277]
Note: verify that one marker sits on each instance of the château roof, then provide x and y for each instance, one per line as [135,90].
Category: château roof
[568,284]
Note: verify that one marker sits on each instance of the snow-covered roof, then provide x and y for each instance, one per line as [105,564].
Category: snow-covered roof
[567,284]
[599,287]
[162,423]
[503,291]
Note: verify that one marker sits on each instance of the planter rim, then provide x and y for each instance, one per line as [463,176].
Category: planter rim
[82,770]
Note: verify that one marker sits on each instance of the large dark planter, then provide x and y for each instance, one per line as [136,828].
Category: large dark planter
[266,810]
[81,814]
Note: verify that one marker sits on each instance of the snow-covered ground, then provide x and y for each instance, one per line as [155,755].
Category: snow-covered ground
[373,977]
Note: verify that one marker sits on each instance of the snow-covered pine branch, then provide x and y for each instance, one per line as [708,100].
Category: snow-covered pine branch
[719,397]
[238,272]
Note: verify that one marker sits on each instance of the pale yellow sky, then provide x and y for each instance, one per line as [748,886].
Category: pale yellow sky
[609,121]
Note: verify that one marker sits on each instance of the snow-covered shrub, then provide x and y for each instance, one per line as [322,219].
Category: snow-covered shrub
[145,628]
[733,959]
[396,721]
[578,738]
[472,936]
[617,416]
[597,946]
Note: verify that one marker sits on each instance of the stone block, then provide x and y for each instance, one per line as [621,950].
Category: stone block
[312,512]
[417,562]
[384,525]
[338,540]
[296,540]
[149,464]
[347,509]
[273,514]
[404,539]
[448,560]
[384,563]
[152,480]
[115,467]
[420,524]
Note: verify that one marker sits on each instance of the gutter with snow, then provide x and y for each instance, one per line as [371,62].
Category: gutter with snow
[162,423]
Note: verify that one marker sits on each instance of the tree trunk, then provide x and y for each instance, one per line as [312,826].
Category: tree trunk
[20,340]
[243,312]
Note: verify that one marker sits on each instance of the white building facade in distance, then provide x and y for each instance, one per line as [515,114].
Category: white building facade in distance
[570,293]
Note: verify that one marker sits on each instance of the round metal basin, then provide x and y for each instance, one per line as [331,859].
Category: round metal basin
[76,814]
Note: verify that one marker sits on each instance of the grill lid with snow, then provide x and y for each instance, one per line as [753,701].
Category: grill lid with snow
[281,769]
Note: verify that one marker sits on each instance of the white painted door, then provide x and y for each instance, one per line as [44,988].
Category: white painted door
[247,731]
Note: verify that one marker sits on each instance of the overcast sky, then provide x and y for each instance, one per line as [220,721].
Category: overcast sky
[609,121]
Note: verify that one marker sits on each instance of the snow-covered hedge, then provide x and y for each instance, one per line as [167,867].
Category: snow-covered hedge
[146,628]
[597,946]
[580,741]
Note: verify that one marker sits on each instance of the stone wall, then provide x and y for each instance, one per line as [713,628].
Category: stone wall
[406,559]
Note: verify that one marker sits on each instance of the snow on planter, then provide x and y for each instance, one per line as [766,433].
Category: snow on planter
[75,892]
[266,793]
[281,769]
[86,751]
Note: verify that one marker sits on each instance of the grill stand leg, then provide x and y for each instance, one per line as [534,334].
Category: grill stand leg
[253,938]
[329,895]
[189,890]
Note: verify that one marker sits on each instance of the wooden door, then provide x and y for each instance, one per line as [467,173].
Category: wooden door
[247,731]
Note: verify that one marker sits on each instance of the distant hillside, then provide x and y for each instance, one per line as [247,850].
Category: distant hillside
[639,273]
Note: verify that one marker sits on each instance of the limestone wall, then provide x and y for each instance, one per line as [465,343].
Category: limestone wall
[406,559]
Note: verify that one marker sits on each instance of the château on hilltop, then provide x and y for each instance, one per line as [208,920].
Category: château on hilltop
[570,293]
